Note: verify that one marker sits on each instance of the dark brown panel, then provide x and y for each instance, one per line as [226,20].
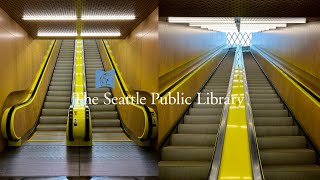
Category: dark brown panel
[237,8]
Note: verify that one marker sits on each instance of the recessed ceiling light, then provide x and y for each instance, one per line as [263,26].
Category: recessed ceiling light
[212,24]
[200,19]
[49,18]
[45,34]
[101,34]
[270,20]
[74,18]
[97,18]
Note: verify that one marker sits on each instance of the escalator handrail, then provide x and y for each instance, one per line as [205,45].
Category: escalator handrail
[74,74]
[207,58]
[218,148]
[162,142]
[257,171]
[104,69]
[149,113]
[272,60]
[310,141]
[8,115]
[70,111]
[87,109]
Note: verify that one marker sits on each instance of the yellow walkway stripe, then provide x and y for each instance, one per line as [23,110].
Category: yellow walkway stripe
[235,161]
[79,101]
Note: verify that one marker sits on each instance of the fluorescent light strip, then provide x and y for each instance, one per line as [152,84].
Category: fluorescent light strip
[264,25]
[223,28]
[200,20]
[218,25]
[101,34]
[74,18]
[273,20]
[49,18]
[97,18]
[210,24]
[44,34]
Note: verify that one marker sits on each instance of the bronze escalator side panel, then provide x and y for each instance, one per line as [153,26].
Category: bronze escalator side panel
[19,120]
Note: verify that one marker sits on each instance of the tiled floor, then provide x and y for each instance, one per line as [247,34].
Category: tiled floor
[121,160]
[79,178]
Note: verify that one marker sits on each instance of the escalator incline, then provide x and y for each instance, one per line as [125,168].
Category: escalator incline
[283,149]
[190,151]
[105,118]
[54,113]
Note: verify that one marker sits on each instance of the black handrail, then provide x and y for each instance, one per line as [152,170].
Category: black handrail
[70,132]
[70,112]
[149,115]
[8,124]
[87,124]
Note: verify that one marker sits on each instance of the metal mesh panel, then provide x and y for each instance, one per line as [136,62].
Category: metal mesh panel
[239,38]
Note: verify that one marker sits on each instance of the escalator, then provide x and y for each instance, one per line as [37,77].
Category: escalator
[284,150]
[105,118]
[54,114]
[190,149]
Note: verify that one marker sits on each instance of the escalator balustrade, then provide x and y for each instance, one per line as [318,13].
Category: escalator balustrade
[284,150]
[54,114]
[190,151]
[105,119]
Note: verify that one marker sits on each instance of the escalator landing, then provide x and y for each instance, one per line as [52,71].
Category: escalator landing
[60,136]
[116,159]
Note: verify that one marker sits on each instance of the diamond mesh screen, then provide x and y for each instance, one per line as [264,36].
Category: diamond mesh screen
[239,38]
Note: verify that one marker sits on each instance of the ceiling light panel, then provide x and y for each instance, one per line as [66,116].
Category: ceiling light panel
[111,18]
[263,25]
[209,24]
[200,19]
[102,34]
[214,25]
[49,18]
[48,34]
[48,29]
[217,26]
[55,16]
[228,24]
[271,20]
